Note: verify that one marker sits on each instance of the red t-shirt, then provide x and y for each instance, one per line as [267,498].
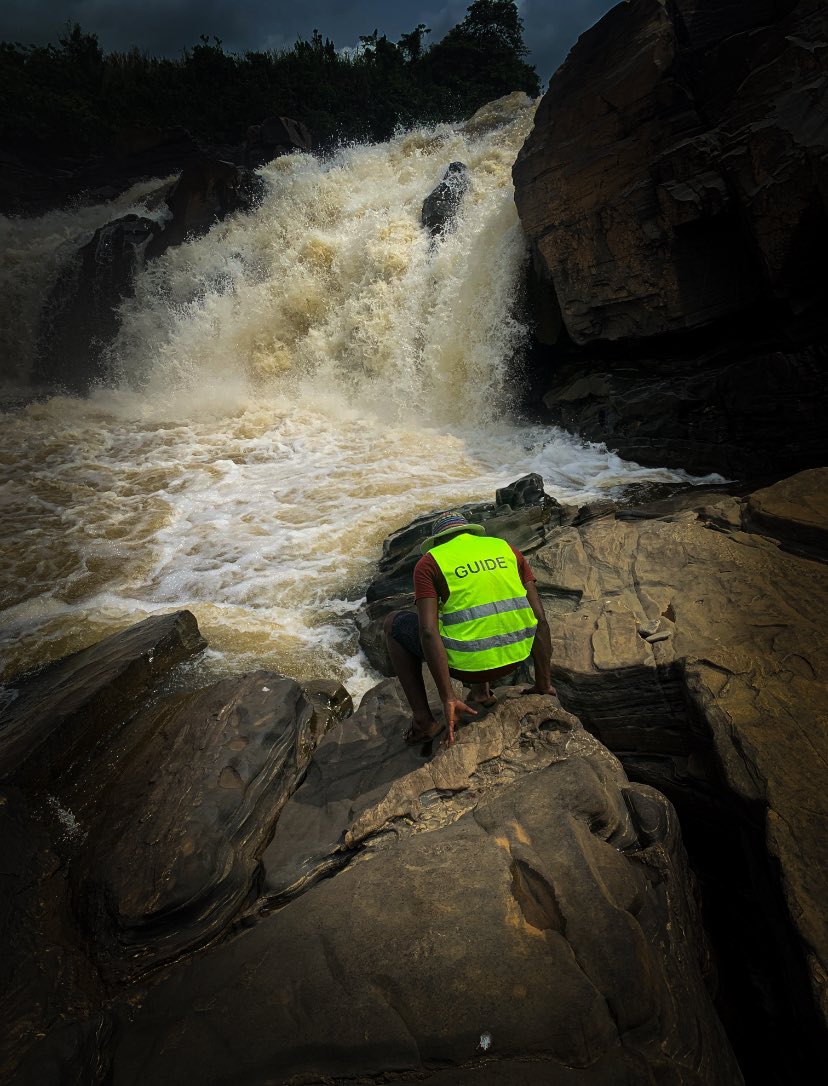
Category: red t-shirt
[429,583]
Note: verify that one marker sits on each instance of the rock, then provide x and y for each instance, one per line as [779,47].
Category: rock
[61,713]
[207,191]
[582,955]
[143,151]
[194,791]
[275,136]
[43,967]
[441,205]
[794,511]
[673,191]
[741,411]
[522,513]
[80,315]
[723,710]
[719,196]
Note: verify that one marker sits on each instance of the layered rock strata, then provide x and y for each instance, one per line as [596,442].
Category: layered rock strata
[513,909]
[676,182]
[688,635]
[690,638]
[132,835]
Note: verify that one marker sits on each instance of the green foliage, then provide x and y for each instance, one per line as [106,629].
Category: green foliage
[71,99]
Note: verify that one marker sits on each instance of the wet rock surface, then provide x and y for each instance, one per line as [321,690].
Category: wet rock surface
[674,194]
[441,205]
[275,136]
[207,191]
[58,715]
[196,797]
[511,899]
[691,641]
[138,838]
[80,315]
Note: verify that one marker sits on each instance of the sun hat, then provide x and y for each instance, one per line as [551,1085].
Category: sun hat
[447,524]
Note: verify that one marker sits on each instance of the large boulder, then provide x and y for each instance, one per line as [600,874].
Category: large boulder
[194,791]
[80,315]
[132,837]
[206,191]
[676,182]
[689,636]
[511,910]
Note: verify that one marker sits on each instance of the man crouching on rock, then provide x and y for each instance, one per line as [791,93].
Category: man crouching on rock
[478,617]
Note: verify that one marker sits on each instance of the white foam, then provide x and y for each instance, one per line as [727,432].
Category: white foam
[292,388]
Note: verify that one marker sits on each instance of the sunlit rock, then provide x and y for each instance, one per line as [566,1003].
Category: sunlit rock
[690,637]
[512,899]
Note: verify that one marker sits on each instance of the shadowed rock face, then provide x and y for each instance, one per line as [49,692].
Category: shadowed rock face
[515,891]
[441,205]
[179,826]
[132,837]
[690,638]
[674,191]
[80,315]
[60,713]
[677,167]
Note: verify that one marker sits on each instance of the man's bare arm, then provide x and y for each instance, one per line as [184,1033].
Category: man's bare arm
[435,655]
[541,646]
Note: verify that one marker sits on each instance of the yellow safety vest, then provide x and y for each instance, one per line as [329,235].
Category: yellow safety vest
[487,621]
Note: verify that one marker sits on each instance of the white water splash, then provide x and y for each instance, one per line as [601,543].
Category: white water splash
[290,389]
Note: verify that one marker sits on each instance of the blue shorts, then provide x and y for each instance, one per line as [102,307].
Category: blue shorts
[405,629]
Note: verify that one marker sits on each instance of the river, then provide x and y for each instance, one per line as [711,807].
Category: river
[283,394]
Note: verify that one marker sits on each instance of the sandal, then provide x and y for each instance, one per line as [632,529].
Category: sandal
[412,737]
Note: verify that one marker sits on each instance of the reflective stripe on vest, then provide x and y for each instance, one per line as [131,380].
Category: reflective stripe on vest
[487,621]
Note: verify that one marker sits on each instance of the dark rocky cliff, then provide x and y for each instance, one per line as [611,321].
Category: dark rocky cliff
[674,191]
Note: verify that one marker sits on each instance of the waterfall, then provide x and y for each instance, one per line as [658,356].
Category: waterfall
[283,393]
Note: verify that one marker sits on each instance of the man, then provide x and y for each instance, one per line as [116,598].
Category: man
[478,617]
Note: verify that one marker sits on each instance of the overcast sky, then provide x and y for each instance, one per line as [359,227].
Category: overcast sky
[165,27]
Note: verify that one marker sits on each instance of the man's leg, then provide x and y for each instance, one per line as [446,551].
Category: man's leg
[408,667]
[481,694]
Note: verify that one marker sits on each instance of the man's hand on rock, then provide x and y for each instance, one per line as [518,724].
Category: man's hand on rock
[453,708]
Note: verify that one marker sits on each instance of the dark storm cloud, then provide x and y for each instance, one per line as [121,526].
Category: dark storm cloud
[165,27]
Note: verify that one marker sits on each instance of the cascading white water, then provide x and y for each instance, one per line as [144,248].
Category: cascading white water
[286,392]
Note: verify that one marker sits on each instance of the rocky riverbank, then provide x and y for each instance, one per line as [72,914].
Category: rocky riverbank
[250,882]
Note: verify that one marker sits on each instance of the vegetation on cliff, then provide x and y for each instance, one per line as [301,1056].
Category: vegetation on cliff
[71,98]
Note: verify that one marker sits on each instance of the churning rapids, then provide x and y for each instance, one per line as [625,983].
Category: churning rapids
[284,393]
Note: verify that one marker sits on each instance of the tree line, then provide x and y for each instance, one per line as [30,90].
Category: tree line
[71,99]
